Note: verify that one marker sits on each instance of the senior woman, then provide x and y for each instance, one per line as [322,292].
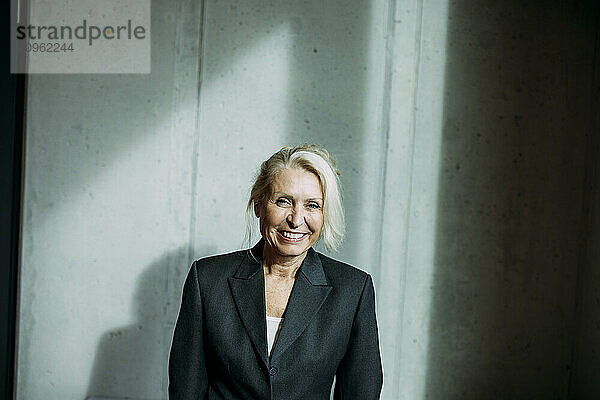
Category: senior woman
[280,321]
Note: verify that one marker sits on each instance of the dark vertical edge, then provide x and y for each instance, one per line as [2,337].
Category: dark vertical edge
[13,89]
[589,209]
[15,225]
[11,167]
[385,127]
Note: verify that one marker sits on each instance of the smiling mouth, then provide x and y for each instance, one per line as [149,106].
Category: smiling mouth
[292,236]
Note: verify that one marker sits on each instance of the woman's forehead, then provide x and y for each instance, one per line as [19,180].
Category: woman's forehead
[297,182]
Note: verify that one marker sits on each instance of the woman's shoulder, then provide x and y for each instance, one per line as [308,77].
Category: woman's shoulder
[220,264]
[222,257]
[340,272]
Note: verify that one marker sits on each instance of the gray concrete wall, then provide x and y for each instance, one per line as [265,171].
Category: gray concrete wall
[106,220]
[511,188]
[460,132]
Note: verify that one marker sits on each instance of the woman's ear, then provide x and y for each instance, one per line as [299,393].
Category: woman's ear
[257,209]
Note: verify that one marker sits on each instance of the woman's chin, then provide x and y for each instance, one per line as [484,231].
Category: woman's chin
[288,249]
[291,250]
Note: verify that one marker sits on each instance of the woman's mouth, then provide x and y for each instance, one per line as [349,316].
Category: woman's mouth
[292,236]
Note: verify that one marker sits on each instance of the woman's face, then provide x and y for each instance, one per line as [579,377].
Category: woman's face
[292,217]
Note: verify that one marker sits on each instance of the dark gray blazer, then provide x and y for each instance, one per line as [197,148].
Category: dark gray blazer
[219,348]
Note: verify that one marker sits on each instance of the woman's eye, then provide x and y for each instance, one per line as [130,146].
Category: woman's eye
[282,202]
[314,206]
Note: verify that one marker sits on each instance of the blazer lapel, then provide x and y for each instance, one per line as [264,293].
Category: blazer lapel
[248,291]
[308,294]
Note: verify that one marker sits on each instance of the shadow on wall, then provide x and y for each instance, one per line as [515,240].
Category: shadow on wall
[131,360]
[516,114]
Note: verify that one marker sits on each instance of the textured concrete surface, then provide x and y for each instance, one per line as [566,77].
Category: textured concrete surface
[585,380]
[511,188]
[462,131]
[106,222]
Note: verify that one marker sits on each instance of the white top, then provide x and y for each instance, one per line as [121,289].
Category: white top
[273,327]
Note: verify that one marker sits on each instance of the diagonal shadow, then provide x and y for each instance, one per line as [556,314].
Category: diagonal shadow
[104,118]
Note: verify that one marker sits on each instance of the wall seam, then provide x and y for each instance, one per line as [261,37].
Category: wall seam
[385,118]
[188,16]
[196,145]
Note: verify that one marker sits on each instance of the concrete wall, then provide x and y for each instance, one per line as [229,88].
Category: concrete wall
[511,188]
[585,380]
[460,131]
[107,220]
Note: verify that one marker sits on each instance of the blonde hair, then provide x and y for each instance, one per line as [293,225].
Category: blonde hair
[312,159]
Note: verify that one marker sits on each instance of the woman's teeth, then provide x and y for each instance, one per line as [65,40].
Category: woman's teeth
[291,235]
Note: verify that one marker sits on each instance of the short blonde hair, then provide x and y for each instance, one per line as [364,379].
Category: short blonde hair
[312,159]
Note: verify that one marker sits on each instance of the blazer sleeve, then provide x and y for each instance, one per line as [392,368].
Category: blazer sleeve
[187,368]
[360,375]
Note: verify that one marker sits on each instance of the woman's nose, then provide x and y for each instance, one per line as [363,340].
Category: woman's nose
[295,218]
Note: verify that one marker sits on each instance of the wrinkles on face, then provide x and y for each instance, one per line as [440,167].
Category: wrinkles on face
[291,219]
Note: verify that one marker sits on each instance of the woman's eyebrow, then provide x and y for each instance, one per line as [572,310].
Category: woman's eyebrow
[289,195]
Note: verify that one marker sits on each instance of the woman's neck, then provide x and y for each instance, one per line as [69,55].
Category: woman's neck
[281,266]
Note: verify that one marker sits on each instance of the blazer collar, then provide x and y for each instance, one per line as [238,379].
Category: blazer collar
[248,290]
[311,267]
[252,262]
[247,287]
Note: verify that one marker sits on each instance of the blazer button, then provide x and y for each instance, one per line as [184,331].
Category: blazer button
[273,371]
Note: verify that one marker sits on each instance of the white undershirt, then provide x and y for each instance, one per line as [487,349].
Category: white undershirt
[273,326]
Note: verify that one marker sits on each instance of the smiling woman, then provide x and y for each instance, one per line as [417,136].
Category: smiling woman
[292,217]
[280,321]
